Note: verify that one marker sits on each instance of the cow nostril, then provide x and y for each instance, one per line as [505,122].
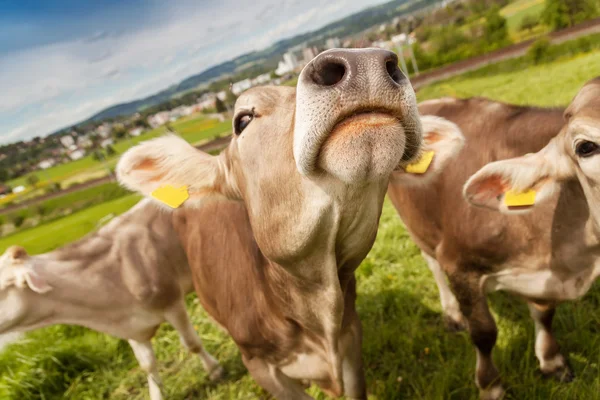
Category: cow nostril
[393,71]
[328,74]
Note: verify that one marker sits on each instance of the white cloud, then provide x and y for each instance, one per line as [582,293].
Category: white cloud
[46,88]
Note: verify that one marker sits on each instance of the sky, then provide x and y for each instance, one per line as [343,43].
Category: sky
[63,61]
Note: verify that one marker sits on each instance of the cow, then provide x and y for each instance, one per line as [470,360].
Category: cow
[310,167]
[561,181]
[125,279]
[546,256]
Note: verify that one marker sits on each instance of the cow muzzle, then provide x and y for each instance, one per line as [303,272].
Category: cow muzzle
[356,116]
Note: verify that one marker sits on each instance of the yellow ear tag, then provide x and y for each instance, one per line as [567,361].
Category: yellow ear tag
[512,199]
[171,196]
[421,166]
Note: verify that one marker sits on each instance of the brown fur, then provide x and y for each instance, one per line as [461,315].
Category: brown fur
[469,242]
[250,296]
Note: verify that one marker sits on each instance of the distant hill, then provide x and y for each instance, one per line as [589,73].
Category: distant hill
[269,57]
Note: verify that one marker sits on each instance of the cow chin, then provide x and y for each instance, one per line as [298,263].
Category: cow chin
[363,148]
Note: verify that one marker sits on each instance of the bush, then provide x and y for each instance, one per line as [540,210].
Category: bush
[539,51]
[42,210]
[528,23]
[18,220]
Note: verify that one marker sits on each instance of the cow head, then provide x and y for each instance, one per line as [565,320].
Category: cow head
[16,271]
[20,288]
[309,163]
[573,154]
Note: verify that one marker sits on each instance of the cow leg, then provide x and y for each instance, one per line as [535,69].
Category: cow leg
[145,356]
[352,364]
[178,317]
[453,318]
[483,331]
[547,350]
[274,381]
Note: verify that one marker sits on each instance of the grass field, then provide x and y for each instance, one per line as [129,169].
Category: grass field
[194,130]
[407,353]
[516,11]
[552,84]
[47,237]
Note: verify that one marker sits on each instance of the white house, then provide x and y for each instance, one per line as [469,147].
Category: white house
[106,142]
[77,154]
[84,141]
[67,141]
[47,163]
[261,79]
[333,43]
[158,119]
[136,131]
[104,130]
[240,86]
[308,53]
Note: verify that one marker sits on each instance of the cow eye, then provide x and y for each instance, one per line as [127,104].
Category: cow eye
[242,121]
[586,149]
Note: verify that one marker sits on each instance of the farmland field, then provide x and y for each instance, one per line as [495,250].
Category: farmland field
[552,84]
[408,355]
[194,130]
[48,236]
[516,11]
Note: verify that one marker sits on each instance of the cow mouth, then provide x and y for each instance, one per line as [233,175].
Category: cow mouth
[361,119]
[376,119]
[365,144]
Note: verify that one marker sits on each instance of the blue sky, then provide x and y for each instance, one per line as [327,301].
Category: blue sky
[62,61]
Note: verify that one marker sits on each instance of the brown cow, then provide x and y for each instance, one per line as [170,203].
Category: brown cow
[311,166]
[470,243]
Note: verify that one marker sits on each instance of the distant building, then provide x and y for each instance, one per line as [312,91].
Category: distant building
[158,119]
[261,79]
[47,163]
[333,43]
[104,130]
[240,86]
[308,54]
[136,131]
[400,39]
[106,142]
[289,64]
[84,141]
[382,44]
[19,189]
[67,141]
[207,101]
[77,154]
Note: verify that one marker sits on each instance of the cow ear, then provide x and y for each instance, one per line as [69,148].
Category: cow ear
[16,271]
[513,186]
[35,282]
[174,173]
[442,141]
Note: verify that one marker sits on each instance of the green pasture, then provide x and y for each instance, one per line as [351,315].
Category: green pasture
[552,84]
[48,236]
[516,11]
[193,129]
